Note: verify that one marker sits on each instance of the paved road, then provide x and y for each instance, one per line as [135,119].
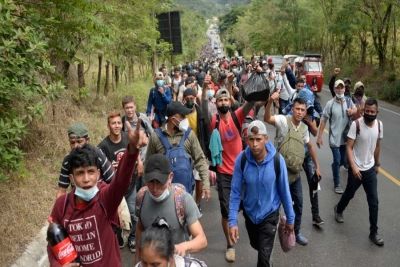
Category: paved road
[332,244]
[215,39]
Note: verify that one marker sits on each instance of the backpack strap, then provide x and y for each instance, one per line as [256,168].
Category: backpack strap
[113,224]
[358,127]
[277,165]
[184,137]
[139,200]
[163,139]
[179,199]
[66,203]
[142,123]
[235,120]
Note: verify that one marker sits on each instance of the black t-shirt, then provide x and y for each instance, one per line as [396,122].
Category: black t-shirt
[200,78]
[114,153]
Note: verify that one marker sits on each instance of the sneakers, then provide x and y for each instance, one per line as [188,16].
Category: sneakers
[121,241]
[338,189]
[316,220]
[132,245]
[230,255]
[301,239]
[338,216]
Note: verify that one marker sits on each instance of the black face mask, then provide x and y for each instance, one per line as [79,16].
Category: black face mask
[369,118]
[359,93]
[223,109]
[189,104]
[200,70]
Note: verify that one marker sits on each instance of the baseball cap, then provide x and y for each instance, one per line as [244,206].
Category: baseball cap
[308,96]
[222,75]
[158,168]
[339,82]
[159,75]
[189,91]
[260,125]
[222,93]
[77,130]
[264,62]
[189,80]
[270,60]
[176,107]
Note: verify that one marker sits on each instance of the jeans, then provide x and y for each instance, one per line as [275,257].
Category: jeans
[309,169]
[282,105]
[370,184]
[262,237]
[297,197]
[131,201]
[339,159]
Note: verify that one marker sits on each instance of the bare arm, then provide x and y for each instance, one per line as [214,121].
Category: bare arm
[197,244]
[61,191]
[376,152]
[321,131]
[267,114]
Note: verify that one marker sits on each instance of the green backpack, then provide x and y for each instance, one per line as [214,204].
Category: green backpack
[292,150]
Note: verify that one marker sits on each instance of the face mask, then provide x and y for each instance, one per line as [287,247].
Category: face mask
[162,197]
[213,66]
[340,96]
[359,92]
[223,109]
[210,93]
[234,70]
[86,195]
[200,70]
[160,83]
[189,104]
[369,118]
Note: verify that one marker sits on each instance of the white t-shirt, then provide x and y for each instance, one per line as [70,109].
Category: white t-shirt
[365,143]
[179,262]
[282,128]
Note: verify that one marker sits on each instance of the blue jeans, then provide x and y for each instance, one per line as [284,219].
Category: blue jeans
[309,169]
[370,184]
[131,201]
[296,192]
[339,159]
[282,105]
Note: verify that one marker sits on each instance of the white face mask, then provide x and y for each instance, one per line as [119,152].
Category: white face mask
[184,125]
[163,196]
[339,95]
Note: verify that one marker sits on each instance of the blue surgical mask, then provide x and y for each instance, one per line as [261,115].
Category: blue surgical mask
[210,93]
[86,195]
[162,197]
[339,96]
[160,82]
[234,70]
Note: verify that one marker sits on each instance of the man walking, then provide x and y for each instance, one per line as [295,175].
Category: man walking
[264,179]
[338,111]
[363,147]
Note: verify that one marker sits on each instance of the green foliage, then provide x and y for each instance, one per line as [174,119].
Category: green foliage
[23,84]
[391,91]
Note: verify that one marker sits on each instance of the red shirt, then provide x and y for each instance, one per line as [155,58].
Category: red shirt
[231,140]
[89,228]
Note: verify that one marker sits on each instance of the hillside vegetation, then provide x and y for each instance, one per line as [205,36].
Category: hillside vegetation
[210,8]
[61,62]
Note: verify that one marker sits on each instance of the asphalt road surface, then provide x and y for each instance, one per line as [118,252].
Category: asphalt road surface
[215,39]
[332,244]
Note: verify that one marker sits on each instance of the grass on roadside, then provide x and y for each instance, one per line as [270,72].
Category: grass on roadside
[27,198]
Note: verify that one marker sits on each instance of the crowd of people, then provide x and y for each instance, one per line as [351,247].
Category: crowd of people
[197,125]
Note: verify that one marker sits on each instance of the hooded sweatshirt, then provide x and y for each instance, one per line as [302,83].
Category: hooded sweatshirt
[264,193]
[90,229]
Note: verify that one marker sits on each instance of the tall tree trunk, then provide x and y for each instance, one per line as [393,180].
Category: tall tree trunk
[107,84]
[133,70]
[394,43]
[116,76]
[363,50]
[81,76]
[113,76]
[65,72]
[99,74]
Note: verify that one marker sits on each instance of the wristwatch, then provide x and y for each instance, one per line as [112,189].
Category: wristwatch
[377,164]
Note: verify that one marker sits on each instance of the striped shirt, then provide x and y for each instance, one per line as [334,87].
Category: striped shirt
[106,171]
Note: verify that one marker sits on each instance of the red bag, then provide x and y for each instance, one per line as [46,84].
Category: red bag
[286,238]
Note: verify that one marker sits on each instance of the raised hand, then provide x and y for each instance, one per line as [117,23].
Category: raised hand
[137,138]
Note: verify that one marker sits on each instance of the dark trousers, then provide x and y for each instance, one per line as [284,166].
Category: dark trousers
[309,169]
[296,192]
[370,184]
[262,237]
